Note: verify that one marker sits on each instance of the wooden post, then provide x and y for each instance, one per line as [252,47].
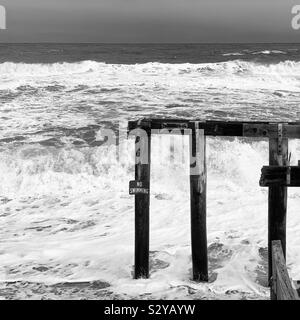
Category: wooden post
[281,284]
[198,204]
[278,155]
[142,205]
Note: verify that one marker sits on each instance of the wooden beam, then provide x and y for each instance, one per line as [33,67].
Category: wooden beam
[220,128]
[281,288]
[198,178]
[288,176]
[277,204]
[142,205]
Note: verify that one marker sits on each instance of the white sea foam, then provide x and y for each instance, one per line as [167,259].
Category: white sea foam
[64,205]
[23,69]
[71,94]
[233,54]
[270,52]
[240,73]
[69,210]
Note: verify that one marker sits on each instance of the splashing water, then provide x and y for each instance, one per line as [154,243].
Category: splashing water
[65,212]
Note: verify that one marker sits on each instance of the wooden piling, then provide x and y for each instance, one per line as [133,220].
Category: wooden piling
[142,206]
[278,135]
[198,179]
[278,155]
[281,284]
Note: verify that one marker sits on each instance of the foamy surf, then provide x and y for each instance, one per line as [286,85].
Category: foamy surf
[65,68]
[67,220]
[67,217]
[37,96]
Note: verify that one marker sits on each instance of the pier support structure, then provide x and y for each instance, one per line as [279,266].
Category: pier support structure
[198,177]
[277,204]
[140,187]
[278,135]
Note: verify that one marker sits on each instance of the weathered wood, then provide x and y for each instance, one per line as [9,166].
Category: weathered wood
[142,206]
[278,135]
[198,178]
[220,128]
[288,176]
[277,204]
[281,288]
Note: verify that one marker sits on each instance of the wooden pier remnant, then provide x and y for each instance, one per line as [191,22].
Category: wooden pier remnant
[278,156]
[198,177]
[278,135]
[140,187]
[278,178]
[281,286]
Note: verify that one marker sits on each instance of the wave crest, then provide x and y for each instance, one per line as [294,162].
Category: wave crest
[230,67]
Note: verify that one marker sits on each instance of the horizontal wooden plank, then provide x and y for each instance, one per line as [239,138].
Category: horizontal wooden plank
[288,176]
[260,130]
[217,128]
[282,285]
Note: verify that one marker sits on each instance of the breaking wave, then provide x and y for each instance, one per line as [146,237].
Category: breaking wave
[65,210]
[22,69]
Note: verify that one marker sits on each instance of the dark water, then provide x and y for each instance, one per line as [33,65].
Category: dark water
[142,53]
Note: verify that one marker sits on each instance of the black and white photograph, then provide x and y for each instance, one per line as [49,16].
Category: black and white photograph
[150,150]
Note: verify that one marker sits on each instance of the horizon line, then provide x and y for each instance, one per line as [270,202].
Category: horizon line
[149,43]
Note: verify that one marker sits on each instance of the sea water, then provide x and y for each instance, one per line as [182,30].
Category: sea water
[66,217]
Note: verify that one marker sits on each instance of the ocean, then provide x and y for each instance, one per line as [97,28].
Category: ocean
[66,218]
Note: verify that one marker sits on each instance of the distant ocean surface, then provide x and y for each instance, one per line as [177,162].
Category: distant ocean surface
[65,212]
[143,53]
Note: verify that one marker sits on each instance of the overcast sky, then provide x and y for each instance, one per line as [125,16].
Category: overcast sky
[149,21]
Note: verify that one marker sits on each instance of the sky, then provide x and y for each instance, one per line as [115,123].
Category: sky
[149,21]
